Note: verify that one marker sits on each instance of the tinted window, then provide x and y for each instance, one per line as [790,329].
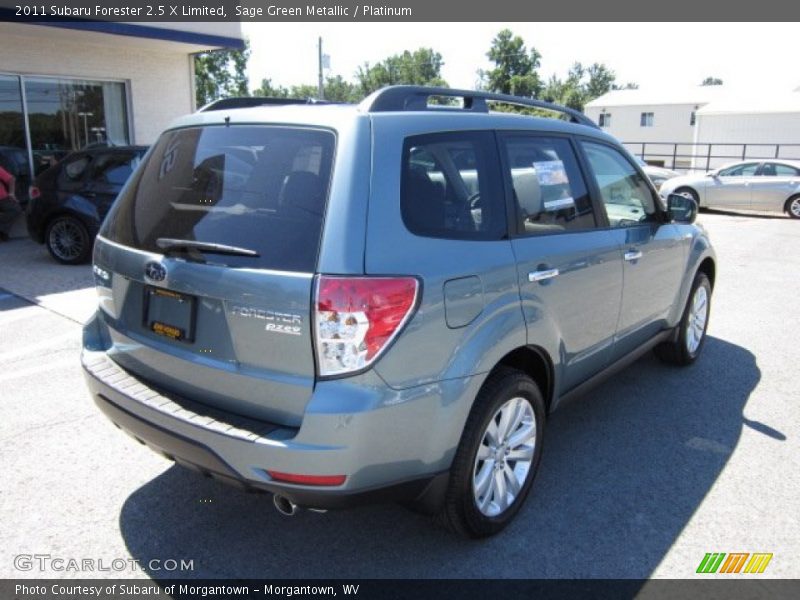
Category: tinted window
[74,168]
[257,187]
[450,186]
[549,192]
[114,168]
[745,170]
[778,170]
[626,195]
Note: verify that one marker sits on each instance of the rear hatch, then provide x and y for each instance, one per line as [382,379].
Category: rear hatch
[205,266]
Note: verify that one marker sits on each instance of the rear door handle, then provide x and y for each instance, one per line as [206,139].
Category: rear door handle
[633,255]
[542,275]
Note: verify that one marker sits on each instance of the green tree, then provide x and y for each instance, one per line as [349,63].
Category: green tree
[515,70]
[712,81]
[582,85]
[336,90]
[267,89]
[221,73]
[305,90]
[600,81]
[339,90]
[420,67]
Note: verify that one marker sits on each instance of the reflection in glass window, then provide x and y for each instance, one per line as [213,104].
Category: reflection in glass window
[114,168]
[69,114]
[549,193]
[75,168]
[13,149]
[258,187]
[745,170]
[778,170]
[626,196]
[450,187]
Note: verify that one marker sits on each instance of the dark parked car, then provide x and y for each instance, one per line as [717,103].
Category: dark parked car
[69,201]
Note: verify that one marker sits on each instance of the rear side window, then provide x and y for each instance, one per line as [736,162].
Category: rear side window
[550,195]
[450,186]
[114,168]
[74,168]
[261,188]
[778,170]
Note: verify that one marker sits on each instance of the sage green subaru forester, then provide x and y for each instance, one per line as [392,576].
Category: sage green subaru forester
[356,303]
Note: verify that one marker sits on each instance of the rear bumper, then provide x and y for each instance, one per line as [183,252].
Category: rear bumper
[239,450]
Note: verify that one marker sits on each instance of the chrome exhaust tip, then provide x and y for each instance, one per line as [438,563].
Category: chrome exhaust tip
[284,506]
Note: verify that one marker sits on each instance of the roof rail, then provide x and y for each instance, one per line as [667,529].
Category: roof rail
[415,98]
[251,101]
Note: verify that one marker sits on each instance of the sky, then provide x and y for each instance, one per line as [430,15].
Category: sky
[745,56]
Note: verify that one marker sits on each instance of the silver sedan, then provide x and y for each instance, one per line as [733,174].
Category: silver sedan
[770,185]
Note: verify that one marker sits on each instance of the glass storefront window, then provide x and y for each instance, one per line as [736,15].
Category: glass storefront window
[13,149]
[70,114]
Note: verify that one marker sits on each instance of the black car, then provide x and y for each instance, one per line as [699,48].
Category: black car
[69,200]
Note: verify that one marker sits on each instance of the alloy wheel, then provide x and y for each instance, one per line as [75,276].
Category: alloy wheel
[794,208]
[66,239]
[696,324]
[503,462]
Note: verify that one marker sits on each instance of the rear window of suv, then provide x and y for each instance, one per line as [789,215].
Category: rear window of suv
[262,188]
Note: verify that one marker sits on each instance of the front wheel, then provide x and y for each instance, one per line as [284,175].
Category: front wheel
[692,329]
[498,456]
[688,193]
[793,207]
[68,240]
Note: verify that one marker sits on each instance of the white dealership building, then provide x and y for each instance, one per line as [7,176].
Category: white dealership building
[67,85]
[701,127]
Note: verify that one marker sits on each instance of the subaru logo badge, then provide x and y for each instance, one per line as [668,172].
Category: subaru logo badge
[155,271]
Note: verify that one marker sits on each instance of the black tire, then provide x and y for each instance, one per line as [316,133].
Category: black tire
[793,206]
[68,240]
[690,193]
[680,351]
[460,512]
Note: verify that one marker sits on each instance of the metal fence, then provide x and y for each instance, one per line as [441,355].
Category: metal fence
[688,157]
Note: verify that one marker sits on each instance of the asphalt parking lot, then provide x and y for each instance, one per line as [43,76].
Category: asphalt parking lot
[640,479]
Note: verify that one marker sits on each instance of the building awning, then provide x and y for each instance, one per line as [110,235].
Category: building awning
[168,34]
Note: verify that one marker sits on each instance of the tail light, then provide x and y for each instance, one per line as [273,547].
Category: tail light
[325,480]
[34,192]
[357,317]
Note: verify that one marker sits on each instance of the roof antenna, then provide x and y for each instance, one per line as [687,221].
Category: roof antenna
[228,121]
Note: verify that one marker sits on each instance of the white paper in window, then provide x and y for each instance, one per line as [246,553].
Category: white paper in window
[554,183]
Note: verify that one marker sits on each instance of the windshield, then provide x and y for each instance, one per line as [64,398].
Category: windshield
[256,187]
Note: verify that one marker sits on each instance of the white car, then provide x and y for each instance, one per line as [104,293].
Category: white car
[769,185]
[658,175]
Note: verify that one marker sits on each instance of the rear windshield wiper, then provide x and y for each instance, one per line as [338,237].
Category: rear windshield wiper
[170,245]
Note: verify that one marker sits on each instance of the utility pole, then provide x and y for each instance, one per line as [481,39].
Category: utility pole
[321,90]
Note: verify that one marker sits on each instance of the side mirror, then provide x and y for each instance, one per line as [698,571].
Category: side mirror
[714,174]
[681,209]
